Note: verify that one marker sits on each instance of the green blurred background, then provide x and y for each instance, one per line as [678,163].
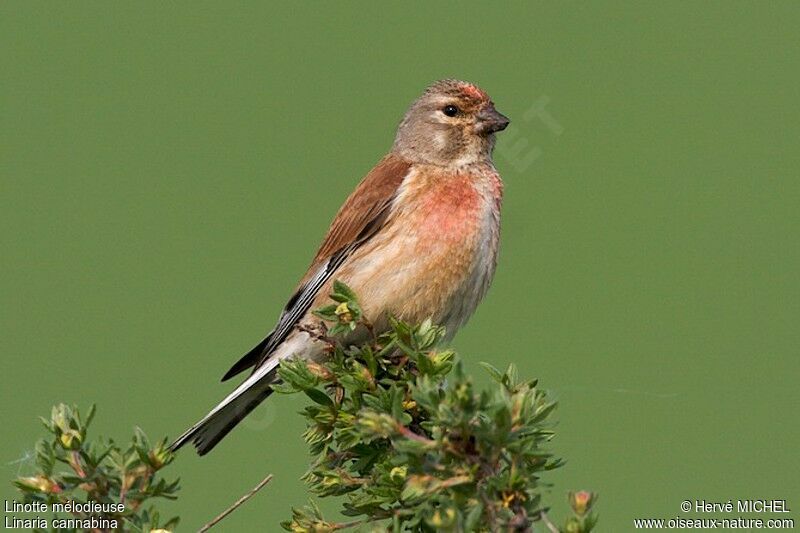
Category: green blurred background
[169,169]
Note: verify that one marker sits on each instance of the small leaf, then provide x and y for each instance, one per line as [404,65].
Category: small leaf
[494,372]
[319,397]
[473,517]
[340,288]
[326,313]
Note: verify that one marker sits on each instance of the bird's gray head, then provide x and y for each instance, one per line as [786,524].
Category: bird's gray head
[452,124]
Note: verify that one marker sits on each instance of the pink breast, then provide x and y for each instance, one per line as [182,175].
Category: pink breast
[450,209]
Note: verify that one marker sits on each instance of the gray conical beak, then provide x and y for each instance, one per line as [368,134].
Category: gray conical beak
[491,121]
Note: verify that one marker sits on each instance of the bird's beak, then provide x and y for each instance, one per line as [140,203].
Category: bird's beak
[491,121]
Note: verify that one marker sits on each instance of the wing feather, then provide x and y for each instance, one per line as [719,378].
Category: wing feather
[364,206]
[360,217]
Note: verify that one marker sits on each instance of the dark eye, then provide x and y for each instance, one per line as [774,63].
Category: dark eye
[450,110]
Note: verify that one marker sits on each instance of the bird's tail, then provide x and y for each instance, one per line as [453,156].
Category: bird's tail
[218,423]
[238,404]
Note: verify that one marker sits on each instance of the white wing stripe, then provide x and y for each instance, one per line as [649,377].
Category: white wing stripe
[310,290]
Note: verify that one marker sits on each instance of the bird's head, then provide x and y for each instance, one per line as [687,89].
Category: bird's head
[452,124]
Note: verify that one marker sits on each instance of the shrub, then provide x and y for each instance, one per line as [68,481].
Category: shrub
[397,428]
[98,472]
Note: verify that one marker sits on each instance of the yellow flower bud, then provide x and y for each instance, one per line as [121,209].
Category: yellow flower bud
[573,526]
[40,483]
[398,473]
[581,501]
[70,439]
[344,313]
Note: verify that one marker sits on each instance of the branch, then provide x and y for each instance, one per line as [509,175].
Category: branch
[407,433]
[239,502]
[548,523]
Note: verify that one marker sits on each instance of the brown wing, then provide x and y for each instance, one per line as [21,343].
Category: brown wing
[361,215]
[359,212]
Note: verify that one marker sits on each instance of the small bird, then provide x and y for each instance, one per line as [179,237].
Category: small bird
[417,239]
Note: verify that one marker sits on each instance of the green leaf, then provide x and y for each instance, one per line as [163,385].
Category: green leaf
[327,313]
[473,517]
[494,372]
[90,415]
[319,397]
[342,289]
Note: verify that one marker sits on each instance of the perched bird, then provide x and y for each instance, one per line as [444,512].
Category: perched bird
[417,239]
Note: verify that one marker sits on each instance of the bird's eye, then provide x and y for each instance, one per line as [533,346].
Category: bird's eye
[450,110]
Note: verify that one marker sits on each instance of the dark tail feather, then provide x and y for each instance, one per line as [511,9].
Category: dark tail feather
[249,359]
[210,430]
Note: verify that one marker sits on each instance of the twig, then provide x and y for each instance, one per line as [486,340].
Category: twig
[548,523]
[346,525]
[407,433]
[239,502]
[75,463]
[354,523]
